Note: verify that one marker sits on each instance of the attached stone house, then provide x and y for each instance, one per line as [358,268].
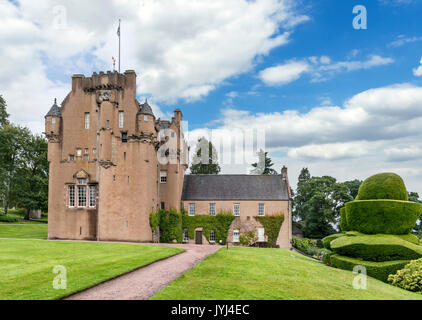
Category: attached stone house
[112,162]
[246,197]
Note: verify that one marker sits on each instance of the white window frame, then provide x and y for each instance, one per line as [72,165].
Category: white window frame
[212,209]
[81,195]
[72,199]
[163,177]
[261,235]
[92,196]
[236,209]
[261,210]
[87,120]
[236,235]
[192,209]
[212,236]
[121,119]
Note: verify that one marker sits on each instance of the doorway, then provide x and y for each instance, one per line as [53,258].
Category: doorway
[198,237]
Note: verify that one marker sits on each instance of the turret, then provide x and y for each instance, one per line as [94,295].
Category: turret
[146,119]
[53,120]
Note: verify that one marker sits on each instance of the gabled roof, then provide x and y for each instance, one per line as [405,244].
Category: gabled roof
[145,109]
[55,110]
[234,188]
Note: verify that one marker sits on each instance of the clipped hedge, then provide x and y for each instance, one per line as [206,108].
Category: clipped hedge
[343,220]
[220,223]
[382,216]
[326,256]
[376,248]
[9,219]
[383,186]
[272,225]
[407,237]
[377,270]
[327,240]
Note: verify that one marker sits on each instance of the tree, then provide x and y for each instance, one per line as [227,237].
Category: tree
[31,189]
[318,202]
[14,140]
[205,158]
[264,164]
[3,113]
[353,186]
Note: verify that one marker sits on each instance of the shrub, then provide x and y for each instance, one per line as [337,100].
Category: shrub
[327,240]
[326,256]
[377,270]
[407,237]
[4,218]
[383,186]
[272,225]
[382,216]
[171,225]
[306,246]
[408,278]
[343,220]
[248,239]
[154,220]
[376,248]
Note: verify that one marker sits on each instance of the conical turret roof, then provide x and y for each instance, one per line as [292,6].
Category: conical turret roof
[55,110]
[146,109]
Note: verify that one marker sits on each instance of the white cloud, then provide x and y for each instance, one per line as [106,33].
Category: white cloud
[402,40]
[320,68]
[417,72]
[180,49]
[371,132]
[285,73]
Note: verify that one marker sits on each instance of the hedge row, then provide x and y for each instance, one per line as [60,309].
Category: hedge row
[407,237]
[377,270]
[343,220]
[383,186]
[4,218]
[382,216]
[376,248]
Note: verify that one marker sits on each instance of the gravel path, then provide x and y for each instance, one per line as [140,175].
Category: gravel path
[143,283]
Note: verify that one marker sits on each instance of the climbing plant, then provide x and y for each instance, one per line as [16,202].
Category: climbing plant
[272,225]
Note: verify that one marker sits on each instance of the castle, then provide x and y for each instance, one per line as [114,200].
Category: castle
[112,163]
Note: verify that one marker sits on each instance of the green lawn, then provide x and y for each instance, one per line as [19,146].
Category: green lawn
[26,267]
[272,274]
[26,231]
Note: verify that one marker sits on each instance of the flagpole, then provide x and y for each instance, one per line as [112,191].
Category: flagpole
[119,45]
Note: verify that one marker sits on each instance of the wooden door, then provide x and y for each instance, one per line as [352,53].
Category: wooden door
[198,237]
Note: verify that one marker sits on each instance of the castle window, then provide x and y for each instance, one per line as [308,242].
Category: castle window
[124,137]
[261,210]
[212,209]
[71,157]
[86,154]
[87,120]
[212,236]
[146,118]
[79,152]
[53,120]
[92,196]
[163,176]
[94,151]
[121,119]
[124,155]
[108,124]
[236,210]
[185,236]
[82,196]
[192,209]
[71,196]
[163,205]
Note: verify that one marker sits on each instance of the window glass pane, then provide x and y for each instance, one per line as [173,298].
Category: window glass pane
[81,196]
[87,120]
[192,209]
[163,176]
[53,120]
[261,210]
[121,119]
[212,209]
[92,195]
[236,235]
[236,210]
[82,181]
[71,196]
[212,235]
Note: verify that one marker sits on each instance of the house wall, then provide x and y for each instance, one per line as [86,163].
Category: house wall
[248,210]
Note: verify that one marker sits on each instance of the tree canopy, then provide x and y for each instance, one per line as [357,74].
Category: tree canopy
[205,158]
[264,164]
[3,113]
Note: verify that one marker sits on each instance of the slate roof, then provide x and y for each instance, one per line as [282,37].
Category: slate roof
[234,188]
[55,110]
[145,109]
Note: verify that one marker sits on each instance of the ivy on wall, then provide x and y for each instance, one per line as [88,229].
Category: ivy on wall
[220,223]
[173,223]
[272,225]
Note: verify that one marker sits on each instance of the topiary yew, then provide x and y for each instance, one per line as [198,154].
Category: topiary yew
[383,186]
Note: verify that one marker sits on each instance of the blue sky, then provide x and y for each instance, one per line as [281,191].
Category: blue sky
[343,102]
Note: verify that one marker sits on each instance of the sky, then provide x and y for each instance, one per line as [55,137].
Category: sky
[314,85]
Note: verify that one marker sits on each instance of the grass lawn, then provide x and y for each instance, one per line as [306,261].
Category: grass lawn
[26,267]
[27,231]
[272,274]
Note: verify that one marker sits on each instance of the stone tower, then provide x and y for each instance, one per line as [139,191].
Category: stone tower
[105,176]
